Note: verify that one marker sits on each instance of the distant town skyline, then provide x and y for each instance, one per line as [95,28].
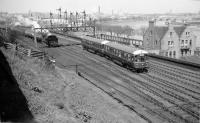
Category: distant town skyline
[106,6]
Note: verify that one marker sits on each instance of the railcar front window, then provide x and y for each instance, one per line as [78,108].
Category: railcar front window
[137,59]
[142,59]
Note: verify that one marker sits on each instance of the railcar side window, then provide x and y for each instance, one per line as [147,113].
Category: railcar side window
[132,58]
[129,57]
[125,55]
[119,53]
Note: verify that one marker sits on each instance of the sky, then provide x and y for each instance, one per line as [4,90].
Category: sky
[107,6]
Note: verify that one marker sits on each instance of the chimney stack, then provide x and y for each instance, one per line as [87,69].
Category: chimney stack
[151,24]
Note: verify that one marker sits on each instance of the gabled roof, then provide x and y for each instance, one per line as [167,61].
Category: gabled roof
[179,30]
[160,31]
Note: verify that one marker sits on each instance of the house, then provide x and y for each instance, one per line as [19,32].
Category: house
[196,32]
[170,40]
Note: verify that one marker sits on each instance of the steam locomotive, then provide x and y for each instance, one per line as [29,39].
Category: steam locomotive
[48,38]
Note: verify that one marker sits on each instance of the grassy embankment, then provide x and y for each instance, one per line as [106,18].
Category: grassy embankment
[60,96]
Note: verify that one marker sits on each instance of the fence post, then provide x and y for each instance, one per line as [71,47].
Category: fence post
[35,38]
[14,48]
[29,52]
[76,68]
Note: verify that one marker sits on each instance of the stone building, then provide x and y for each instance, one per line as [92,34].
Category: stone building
[170,40]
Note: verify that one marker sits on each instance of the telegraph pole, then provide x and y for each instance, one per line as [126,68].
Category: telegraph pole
[76,68]
[59,14]
[77,21]
[65,15]
[35,40]
[84,17]
[51,17]
[71,14]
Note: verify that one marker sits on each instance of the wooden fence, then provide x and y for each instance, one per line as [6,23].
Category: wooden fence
[25,51]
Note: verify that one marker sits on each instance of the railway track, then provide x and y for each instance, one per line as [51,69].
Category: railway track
[194,83]
[188,74]
[151,95]
[184,110]
[138,93]
[174,77]
[180,99]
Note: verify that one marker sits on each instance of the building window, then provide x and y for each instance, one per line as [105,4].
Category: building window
[187,33]
[170,54]
[174,54]
[151,33]
[171,34]
[181,53]
[182,42]
[169,42]
[186,41]
[190,42]
[156,42]
[172,42]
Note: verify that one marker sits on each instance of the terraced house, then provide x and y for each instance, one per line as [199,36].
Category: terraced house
[170,40]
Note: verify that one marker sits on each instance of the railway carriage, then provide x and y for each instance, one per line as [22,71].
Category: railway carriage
[129,57]
[93,44]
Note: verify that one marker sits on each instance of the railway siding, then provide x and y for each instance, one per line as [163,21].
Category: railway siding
[157,95]
[177,62]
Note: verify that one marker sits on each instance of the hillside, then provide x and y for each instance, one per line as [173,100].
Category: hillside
[61,96]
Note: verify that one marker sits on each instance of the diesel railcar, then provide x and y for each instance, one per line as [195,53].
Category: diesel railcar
[130,57]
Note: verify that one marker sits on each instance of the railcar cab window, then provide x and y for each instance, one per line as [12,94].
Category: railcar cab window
[139,58]
[143,58]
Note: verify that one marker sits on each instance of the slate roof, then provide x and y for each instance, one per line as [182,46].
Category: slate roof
[160,31]
[179,30]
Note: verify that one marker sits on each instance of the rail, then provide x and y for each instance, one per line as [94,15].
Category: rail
[176,61]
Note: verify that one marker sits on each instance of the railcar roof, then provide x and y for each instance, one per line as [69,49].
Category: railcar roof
[128,49]
[121,47]
[92,39]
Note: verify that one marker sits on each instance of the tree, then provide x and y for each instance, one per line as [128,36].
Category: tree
[128,30]
[143,30]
